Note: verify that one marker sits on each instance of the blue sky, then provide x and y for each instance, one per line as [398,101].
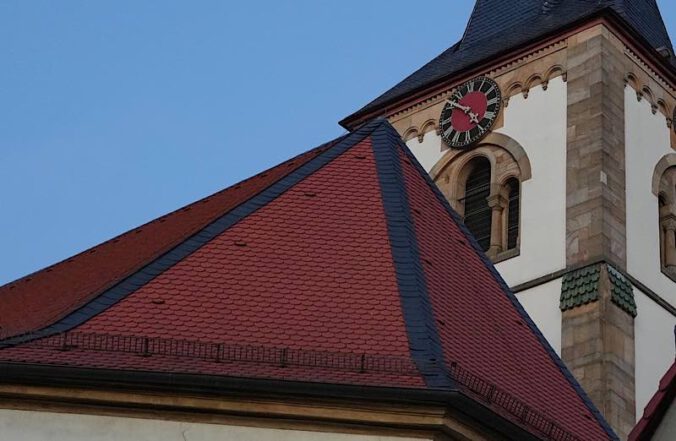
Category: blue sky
[113,113]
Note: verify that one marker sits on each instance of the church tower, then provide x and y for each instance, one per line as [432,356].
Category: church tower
[550,127]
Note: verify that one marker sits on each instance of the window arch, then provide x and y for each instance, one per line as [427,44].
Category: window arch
[484,186]
[667,212]
[664,187]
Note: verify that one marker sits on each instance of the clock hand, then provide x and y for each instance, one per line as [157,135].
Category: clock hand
[473,117]
[465,109]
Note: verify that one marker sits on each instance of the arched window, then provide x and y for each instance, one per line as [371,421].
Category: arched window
[667,215]
[475,202]
[513,213]
[484,186]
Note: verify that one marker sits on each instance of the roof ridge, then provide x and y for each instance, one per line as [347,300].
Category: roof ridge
[124,287]
[424,340]
[512,297]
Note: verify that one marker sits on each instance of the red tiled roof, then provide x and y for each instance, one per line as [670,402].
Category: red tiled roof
[39,299]
[351,269]
[656,408]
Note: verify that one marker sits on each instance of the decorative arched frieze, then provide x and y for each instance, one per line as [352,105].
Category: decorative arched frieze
[428,126]
[513,89]
[410,133]
[533,81]
[553,72]
[631,80]
[658,97]
[420,132]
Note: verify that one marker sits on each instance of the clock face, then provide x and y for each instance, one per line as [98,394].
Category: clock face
[470,112]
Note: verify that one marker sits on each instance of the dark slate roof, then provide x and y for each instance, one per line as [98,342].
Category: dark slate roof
[518,22]
[302,276]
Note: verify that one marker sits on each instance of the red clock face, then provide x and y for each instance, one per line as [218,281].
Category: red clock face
[470,112]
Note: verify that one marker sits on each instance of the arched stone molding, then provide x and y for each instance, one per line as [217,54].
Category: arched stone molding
[428,126]
[553,72]
[409,134]
[664,187]
[508,162]
[665,163]
[420,132]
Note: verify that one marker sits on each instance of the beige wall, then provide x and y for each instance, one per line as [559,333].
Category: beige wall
[18,425]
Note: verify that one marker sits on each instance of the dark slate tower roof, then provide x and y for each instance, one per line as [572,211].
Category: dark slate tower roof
[519,22]
[344,266]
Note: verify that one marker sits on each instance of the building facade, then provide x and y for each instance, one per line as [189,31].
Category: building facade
[575,178]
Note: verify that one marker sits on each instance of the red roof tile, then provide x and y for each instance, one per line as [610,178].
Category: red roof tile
[41,298]
[351,269]
[656,408]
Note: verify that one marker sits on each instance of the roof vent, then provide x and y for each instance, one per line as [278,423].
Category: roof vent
[549,5]
[665,52]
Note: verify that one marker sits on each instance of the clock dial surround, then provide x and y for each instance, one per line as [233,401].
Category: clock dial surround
[470,112]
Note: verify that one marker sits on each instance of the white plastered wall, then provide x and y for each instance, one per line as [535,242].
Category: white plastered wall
[542,304]
[647,141]
[428,152]
[655,347]
[539,123]
[48,426]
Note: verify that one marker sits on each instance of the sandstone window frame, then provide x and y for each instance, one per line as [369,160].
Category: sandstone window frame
[664,187]
[509,166]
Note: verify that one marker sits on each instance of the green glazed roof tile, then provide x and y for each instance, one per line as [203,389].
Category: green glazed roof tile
[580,287]
[622,291]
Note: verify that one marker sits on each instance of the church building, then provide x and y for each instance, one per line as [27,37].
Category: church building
[550,128]
[489,253]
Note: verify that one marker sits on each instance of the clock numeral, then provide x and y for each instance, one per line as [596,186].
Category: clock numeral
[493,100]
[448,132]
[446,121]
[489,115]
[456,137]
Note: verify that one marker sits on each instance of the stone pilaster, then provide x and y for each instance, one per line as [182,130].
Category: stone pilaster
[596,208]
[598,322]
[598,345]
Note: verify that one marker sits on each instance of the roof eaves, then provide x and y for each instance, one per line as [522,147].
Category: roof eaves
[96,378]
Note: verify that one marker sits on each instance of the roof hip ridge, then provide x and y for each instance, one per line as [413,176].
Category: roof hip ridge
[424,340]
